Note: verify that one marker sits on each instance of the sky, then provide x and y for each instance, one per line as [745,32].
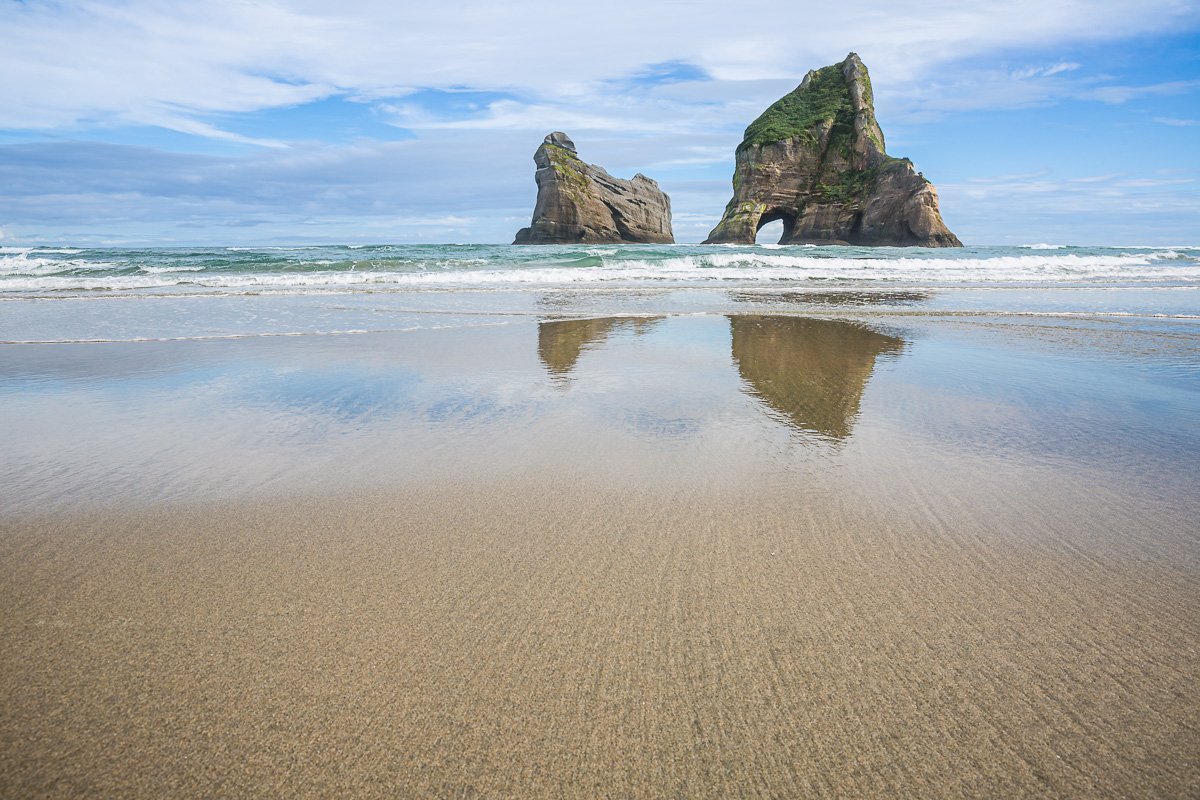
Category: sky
[237,122]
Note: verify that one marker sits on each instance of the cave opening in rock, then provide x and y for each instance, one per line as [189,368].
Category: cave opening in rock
[769,232]
[856,229]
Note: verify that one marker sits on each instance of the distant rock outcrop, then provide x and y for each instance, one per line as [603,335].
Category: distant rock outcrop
[581,203]
[816,160]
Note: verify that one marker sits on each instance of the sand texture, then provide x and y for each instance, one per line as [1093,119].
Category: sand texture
[523,641]
[698,556]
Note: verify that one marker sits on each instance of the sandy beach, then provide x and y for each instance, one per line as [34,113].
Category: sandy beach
[750,556]
[599,401]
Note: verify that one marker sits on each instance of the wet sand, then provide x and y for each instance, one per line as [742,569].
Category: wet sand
[876,582]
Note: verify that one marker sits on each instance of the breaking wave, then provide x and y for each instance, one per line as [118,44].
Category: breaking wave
[26,271]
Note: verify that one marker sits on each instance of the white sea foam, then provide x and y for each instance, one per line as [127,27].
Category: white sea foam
[27,263]
[29,270]
[70,251]
[169,270]
[1043,246]
[712,269]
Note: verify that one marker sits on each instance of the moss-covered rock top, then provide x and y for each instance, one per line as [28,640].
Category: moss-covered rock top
[570,170]
[823,96]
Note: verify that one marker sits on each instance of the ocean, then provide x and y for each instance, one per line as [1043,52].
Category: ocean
[146,293]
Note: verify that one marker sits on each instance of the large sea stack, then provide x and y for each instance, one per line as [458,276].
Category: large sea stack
[816,160]
[581,203]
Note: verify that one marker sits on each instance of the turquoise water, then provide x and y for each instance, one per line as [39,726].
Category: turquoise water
[51,294]
[52,271]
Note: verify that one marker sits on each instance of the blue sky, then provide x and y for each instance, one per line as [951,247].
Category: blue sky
[360,122]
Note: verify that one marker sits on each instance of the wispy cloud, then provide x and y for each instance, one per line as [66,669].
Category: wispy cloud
[1088,186]
[1044,207]
[1095,178]
[1123,94]
[1177,123]
[378,191]
[1008,179]
[512,115]
[1062,66]
[1045,71]
[199,128]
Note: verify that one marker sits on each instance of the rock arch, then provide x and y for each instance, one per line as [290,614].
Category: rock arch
[817,155]
[776,215]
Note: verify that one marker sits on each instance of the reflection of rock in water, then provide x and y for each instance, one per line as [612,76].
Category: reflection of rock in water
[561,342]
[811,371]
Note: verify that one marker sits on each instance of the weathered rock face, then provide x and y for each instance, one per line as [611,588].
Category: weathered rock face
[581,203]
[816,160]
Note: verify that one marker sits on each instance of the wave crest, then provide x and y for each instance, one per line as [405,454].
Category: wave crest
[637,266]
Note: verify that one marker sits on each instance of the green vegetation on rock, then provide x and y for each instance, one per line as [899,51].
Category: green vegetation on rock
[825,98]
[570,169]
[848,187]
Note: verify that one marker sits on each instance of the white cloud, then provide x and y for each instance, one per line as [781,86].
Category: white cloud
[1045,71]
[1098,178]
[513,115]
[1084,188]
[370,191]
[1114,208]
[1062,66]
[424,222]
[154,60]
[649,112]
[198,128]
[1011,178]
[1123,94]
[993,89]
[1177,123]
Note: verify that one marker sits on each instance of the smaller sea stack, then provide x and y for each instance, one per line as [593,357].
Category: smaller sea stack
[580,203]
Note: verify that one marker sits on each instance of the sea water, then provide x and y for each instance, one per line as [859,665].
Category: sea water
[144,374]
[115,294]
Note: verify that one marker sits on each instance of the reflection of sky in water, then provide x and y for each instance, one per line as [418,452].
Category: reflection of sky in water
[346,396]
[671,398]
[646,423]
